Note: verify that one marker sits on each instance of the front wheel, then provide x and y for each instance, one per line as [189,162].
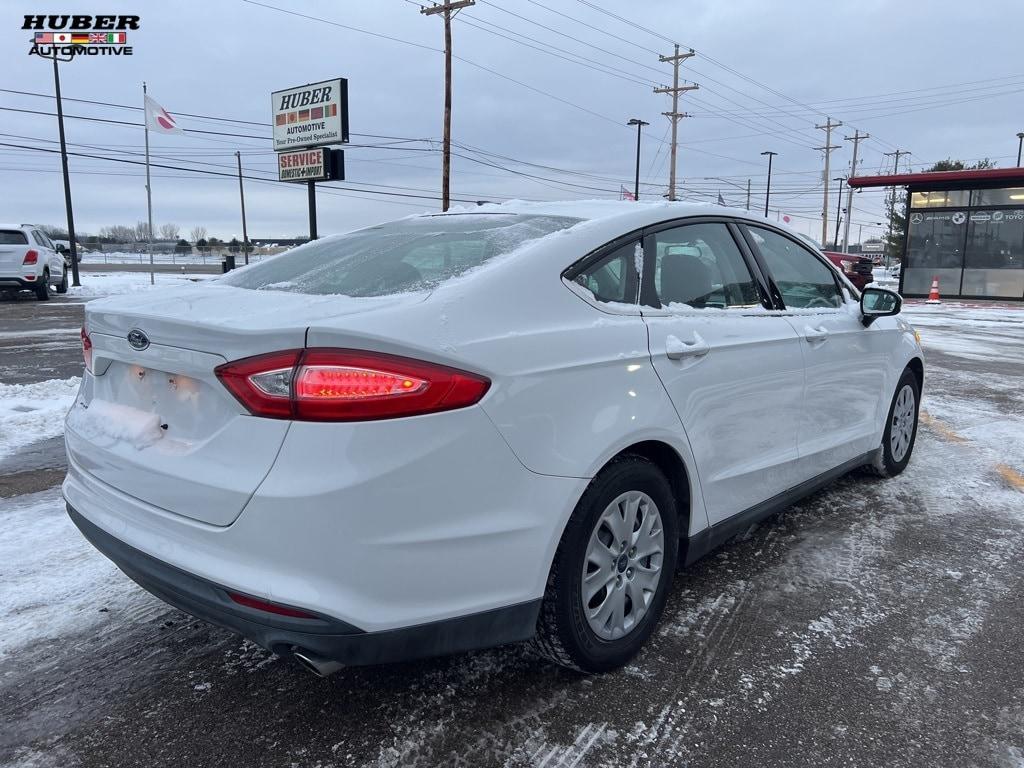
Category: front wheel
[62,286]
[900,428]
[612,570]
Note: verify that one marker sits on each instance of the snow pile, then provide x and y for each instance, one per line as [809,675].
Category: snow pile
[113,422]
[52,582]
[33,412]
[96,284]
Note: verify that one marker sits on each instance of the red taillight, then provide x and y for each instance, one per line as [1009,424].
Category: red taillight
[31,257]
[263,605]
[347,385]
[87,349]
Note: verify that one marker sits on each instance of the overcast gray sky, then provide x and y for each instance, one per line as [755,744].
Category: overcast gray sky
[936,78]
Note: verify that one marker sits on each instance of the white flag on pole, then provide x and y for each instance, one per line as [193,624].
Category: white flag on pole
[159,119]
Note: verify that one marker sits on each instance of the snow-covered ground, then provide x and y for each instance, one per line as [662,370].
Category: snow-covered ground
[126,257]
[971,332]
[33,412]
[97,284]
[53,582]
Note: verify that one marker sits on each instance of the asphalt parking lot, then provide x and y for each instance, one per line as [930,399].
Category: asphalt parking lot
[876,623]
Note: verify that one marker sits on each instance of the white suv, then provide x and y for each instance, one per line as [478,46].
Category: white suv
[29,261]
[460,430]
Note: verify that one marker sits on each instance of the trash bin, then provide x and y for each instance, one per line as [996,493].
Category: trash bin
[229,262]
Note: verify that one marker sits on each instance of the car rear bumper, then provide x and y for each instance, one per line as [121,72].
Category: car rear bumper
[451,527]
[319,635]
[18,283]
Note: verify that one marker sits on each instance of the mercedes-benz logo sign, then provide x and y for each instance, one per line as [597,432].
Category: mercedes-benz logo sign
[137,339]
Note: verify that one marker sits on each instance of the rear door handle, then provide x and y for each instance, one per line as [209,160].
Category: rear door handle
[815,334]
[677,349]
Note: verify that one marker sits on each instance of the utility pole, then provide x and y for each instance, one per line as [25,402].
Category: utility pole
[149,195]
[829,146]
[892,201]
[748,194]
[768,189]
[839,209]
[67,180]
[449,9]
[241,195]
[857,138]
[675,115]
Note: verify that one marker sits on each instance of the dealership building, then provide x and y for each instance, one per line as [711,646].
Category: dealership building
[965,228]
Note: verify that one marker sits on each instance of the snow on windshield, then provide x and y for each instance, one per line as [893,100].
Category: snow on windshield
[398,257]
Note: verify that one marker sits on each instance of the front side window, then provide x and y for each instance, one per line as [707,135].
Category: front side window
[700,266]
[399,257]
[804,281]
[613,278]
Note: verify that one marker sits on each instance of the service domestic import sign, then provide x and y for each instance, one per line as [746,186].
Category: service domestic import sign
[303,165]
[311,115]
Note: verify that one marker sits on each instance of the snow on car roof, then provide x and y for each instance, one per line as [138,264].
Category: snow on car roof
[641,212]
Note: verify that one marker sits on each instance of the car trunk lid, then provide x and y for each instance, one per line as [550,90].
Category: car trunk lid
[153,420]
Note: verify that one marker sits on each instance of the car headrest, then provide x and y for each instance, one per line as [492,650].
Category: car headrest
[685,279]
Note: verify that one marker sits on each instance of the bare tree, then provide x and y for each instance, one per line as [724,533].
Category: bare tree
[169,231]
[119,233]
[141,231]
[54,233]
[198,233]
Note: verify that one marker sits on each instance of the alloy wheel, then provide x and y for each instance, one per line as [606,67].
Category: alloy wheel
[623,565]
[904,415]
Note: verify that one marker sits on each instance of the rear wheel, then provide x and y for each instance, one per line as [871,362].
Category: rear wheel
[900,428]
[62,286]
[43,287]
[612,571]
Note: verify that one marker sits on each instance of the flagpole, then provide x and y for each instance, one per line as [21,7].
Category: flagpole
[149,191]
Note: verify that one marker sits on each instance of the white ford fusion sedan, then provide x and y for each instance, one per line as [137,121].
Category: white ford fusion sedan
[461,430]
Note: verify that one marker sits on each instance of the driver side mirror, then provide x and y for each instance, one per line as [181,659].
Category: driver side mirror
[878,302]
[60,248]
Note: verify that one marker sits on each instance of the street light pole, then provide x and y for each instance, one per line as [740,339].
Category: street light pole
[1020,145]
[636,180]
[768,189]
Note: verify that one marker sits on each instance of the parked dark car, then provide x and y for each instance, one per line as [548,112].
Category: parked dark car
[856,268]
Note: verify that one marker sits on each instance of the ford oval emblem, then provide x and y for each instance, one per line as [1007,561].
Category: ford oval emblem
[137,339]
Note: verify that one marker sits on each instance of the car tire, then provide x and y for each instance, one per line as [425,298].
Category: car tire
[633,496]
[900,433]
[62,286]
[43,287]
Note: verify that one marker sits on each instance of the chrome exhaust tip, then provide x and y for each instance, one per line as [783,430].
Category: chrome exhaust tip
[318,665]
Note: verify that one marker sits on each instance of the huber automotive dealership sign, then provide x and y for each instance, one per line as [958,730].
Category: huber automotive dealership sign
[311,115]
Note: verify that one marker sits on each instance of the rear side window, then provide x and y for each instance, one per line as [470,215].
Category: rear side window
[12,237]
[700,266]
[803,280]
[613,278]
[398,257]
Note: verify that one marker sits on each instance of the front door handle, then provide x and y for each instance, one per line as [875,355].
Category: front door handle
[815,334]
[677,349]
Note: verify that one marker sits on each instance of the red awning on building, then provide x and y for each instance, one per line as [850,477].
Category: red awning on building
[989,177]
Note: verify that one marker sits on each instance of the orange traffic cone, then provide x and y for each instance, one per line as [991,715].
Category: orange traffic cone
[933,294]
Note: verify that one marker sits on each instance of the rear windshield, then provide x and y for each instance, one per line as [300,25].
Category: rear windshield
[12,237]
[398,257]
